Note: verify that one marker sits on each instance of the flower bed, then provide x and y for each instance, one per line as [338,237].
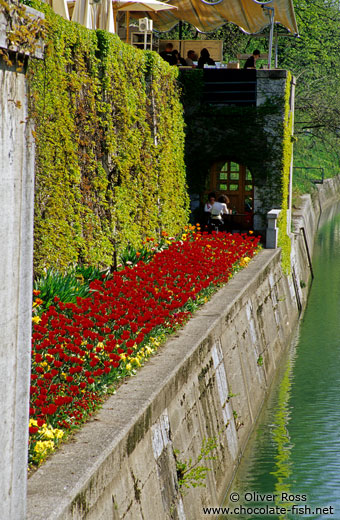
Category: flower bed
[79,350]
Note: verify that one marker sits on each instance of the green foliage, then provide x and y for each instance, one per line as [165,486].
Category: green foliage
[191,474]
[130,256]
[310,155]
[315,61]
[260,361]
[109,147]
[67,287]
[287,151]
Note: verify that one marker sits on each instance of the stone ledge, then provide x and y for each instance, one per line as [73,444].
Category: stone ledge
[271,74]
[39,51]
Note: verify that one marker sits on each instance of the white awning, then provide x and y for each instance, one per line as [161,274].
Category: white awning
[247,14]
[141,5]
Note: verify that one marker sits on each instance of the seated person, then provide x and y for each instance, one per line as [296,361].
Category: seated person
[167,54]
[251,61]
[191,57]
[178,59]
[207,209]
[209,204]
[218,210]
[205,59]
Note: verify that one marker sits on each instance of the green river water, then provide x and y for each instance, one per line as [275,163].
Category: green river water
[295,449]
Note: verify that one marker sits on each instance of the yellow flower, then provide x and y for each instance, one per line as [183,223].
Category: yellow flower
[136,361]
[244,261]
[48,434]
[42,448]
[128,366]
[36,319]
[33,422]
[59,434]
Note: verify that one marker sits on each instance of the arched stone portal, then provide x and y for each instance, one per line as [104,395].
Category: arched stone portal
[236,181]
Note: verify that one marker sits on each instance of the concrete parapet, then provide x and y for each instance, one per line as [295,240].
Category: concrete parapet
[33,14]
[272,229]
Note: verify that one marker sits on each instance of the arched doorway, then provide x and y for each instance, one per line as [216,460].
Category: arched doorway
[234,180]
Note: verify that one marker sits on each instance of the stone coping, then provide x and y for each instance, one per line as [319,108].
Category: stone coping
[39,51]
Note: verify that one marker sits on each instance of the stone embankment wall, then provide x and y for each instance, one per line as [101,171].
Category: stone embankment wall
[16,260]
[208,381]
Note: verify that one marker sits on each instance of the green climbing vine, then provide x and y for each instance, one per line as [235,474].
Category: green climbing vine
[287,145]
[109,146]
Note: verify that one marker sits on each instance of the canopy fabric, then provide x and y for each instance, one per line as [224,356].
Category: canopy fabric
[141,5]
[247,14]
[83,14]
[60,7]
[105,18]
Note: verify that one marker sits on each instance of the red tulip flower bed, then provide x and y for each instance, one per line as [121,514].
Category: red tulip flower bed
[80,349]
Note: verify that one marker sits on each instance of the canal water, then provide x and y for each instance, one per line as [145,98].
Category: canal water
[293,457]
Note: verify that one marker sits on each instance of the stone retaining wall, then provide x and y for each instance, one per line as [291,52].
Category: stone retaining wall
[209,380]
[16,272]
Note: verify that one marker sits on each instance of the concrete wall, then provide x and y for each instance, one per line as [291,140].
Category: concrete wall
[16,251]
[307,215]
[16,239]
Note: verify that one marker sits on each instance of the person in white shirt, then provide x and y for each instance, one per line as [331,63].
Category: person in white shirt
[219,209]
[191,57]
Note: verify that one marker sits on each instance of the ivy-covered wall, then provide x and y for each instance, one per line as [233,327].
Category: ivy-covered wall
[109,146]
